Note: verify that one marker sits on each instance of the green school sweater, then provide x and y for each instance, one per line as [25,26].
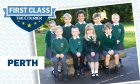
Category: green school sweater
[90,46]
[48,38]
[99,31]
[59,46]
[67,32]
[76,45]
[81,28]
[108,43]
[118,31]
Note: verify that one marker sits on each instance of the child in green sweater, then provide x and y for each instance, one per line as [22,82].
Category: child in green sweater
[98,25]
[109,46]
[67,27]
[81,22]
[50,35]
[118,31]
[60,48]
[76,47]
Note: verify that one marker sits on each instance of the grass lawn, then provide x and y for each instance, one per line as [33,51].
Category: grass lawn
[41,47]
[129,41]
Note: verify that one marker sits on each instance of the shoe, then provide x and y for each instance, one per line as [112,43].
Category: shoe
[117,69]
[96,75]
[121,65]
[77,73]
[92,75]
[82,72]
[107,71]
[120,60]
[52,72]
[65,78]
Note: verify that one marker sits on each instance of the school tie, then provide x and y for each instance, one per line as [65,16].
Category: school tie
[116,25]
[108,36]
[90,37]
[59,38]
[76,38]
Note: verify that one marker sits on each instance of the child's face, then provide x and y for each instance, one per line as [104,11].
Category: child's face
[52,26]
[67,20]
[75,32]
[108,31]
[89,32]
[59,32]
[97,20]
[115,19]
[81,17]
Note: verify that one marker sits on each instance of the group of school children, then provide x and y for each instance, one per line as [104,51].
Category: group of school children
[84,40]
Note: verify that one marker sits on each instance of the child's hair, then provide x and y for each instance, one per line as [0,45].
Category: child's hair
[89,26]
[115,14]
[80,12]
[52,22]
[58,27]
[67,15]
[74,27]
[96,15]
[107,25]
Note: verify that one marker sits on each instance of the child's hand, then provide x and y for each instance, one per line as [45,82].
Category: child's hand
[78,54]
[99,43]
[112,52]
[118,41]
[61,55]
[57,55]
[109,52]
[92,54]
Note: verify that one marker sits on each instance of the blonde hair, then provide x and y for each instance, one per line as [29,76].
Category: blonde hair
[58,27]
[115,15]
[90,27]
[52,22]
[67,15]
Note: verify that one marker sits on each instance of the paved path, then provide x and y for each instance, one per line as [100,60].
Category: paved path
[129,72]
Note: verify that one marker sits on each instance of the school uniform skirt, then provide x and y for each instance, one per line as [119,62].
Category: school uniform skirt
[93,59]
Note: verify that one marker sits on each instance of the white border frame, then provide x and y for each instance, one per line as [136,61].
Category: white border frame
[38,75]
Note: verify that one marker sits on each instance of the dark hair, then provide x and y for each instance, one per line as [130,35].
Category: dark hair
[96,15]
[107,25]
[80,12]
[74,27]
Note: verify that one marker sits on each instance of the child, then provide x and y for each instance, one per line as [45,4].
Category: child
[91,49]
[76,47]
[50,35]
[81,22]
[59,48]
[98,25]
[118,31]
[67,27]
[109,46]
